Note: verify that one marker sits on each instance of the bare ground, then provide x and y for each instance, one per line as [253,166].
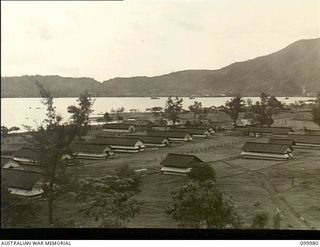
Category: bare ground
[290,188]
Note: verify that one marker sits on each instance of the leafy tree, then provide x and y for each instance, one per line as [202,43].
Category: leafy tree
[249,102]
[81,113]
[260,220]
[15,210]
[264,98]
[53,138]
[274,103]
[204,113]
[277,221]
[188,124]
[202,206]
[106,117]
[109,200]
[4,131]
[120,110]
[196,108]
[124,171]
[157,111]
[162,123]
[249,114]
[61,223]
[202,173]
[173,108]
[265,109]
[268,112]
[316,110]
[234,107]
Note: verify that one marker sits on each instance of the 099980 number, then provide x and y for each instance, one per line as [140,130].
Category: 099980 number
[309,242]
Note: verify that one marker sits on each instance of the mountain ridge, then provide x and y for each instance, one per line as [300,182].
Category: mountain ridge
[291,71]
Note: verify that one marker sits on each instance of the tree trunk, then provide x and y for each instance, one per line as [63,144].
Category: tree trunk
[50,210]
[51,188]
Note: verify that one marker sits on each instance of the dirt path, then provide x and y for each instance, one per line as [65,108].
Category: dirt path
[283,208]
[294,219]
[151,159]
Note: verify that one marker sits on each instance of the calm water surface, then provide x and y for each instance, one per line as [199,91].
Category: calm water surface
[30,111]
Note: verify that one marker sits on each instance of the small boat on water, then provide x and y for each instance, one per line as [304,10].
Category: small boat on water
[286,98]
[192,97]
[155,98]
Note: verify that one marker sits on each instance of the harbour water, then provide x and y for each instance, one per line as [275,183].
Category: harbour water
[31,112]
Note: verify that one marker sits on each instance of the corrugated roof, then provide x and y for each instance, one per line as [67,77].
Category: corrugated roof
[149,139]
[281,141]
[4,161]
[138,122]
[181,161]
[302,138]
[34,154]
[117,126]
[274,130]
[87,148]
[172,134]
[19,178]
[192,131]
[122,141]
[312,132]
[265,148]
[22,166]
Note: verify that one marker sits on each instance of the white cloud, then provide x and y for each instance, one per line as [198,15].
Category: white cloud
[109,39]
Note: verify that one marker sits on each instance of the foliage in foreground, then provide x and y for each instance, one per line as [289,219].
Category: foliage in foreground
[260,220]
[110,200]
[277,218]
[202,173]
[53,138]
[5,131]
[202,206]
[16,210]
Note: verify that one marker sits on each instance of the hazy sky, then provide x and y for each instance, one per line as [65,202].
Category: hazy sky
[128,38]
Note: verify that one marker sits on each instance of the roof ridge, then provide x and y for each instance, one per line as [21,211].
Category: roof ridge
[268,143]
[303,134]
[189,155]
[19,170]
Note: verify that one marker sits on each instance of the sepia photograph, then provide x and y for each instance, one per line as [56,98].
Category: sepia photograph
[168,115]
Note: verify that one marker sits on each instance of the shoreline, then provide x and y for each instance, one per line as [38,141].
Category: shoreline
[161,96]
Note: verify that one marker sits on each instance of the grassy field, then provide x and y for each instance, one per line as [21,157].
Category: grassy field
[296,120]
[254,186]
[290,188]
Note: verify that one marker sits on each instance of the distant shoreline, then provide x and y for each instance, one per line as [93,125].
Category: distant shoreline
[163,96]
